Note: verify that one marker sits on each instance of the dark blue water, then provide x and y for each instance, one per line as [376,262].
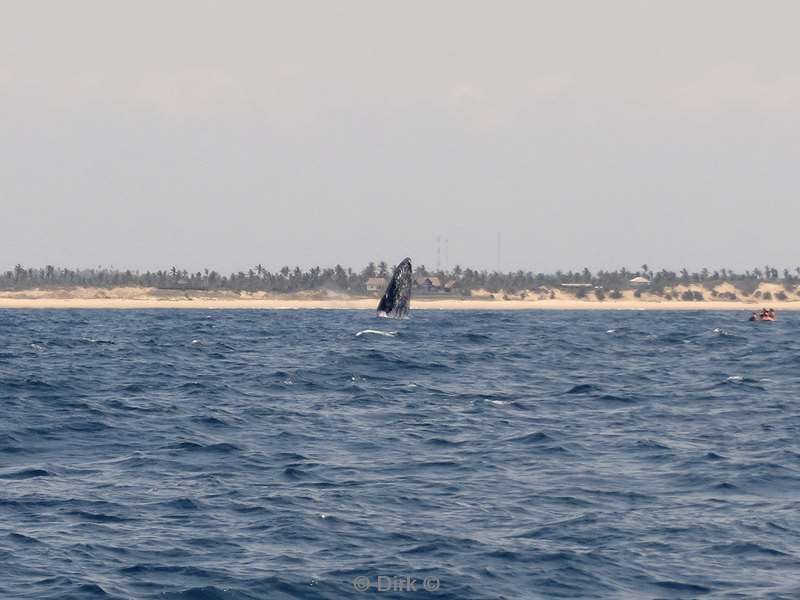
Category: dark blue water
[268,454]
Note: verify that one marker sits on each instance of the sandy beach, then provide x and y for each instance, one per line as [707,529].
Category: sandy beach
[142,298]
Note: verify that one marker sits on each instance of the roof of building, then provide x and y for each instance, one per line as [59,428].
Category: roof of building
[640,279]
[376,281]
[434,281]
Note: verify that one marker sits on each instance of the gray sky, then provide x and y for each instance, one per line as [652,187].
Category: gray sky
[223,134]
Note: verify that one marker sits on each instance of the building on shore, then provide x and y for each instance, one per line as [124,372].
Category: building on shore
[376,284]
[428,284]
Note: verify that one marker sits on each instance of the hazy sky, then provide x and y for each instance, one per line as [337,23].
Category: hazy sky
[149,133]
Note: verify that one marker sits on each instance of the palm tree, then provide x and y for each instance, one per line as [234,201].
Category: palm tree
[369,271]
[313,275]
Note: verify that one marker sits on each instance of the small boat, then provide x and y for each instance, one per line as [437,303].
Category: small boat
[762,317]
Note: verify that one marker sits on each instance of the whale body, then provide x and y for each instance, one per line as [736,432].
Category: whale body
[396,300]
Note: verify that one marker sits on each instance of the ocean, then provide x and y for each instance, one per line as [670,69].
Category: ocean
[239,455]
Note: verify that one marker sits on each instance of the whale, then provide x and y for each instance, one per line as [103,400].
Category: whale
[396,300]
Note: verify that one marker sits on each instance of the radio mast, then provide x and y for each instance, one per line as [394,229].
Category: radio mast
[499,264]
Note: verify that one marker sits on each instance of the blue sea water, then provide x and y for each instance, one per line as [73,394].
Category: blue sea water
[292,454]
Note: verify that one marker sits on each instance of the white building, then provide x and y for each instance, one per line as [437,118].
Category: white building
[376,284]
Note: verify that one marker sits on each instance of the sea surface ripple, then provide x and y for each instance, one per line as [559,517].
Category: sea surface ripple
[239,455]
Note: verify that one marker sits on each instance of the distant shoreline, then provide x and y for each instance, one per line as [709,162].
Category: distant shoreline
[142,298]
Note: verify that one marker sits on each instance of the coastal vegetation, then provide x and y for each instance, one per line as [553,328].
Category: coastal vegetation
[717,284]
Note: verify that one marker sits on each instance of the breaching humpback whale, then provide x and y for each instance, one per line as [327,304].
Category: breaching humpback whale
[396,299]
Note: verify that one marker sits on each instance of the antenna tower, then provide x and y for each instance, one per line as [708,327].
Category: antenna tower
[498,252]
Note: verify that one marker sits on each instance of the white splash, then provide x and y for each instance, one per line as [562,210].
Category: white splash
[376,332]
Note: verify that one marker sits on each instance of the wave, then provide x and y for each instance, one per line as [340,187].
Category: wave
[583,388]
[376,332]
[29,473]
[500,452]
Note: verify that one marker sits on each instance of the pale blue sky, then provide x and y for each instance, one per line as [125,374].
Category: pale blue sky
[223,134]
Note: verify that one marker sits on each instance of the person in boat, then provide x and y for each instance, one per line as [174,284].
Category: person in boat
[767,314]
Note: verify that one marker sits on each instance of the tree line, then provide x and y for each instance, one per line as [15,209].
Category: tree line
[339,278]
